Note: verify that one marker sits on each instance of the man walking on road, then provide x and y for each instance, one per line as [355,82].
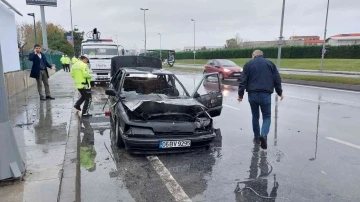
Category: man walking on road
[81,74]
[259,77]
[62,60]
[39,71]
[67,63]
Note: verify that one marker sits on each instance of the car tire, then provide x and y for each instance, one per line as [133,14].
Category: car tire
[118,138]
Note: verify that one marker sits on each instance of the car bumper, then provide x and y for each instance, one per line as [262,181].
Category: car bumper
[233,75]
[151,145]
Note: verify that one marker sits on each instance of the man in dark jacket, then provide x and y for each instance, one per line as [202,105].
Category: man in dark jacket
[259,77]
[39,71]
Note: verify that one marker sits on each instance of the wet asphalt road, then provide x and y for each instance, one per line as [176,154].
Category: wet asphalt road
[313,154]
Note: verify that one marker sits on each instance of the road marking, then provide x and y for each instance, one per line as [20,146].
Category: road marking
[343,142]
[231,107]
[347,91]
[169,181]
[305,99]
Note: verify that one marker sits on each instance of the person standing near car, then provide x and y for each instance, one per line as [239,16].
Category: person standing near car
[62,60]
[39,71]
[81,74]
[259,77]
[67,63]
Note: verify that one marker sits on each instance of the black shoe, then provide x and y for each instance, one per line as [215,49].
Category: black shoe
[50,98]
[86,115]
[77,108]
[263,140]
[42,97]
[256,141]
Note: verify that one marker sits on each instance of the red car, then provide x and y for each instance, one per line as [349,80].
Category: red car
[227,69]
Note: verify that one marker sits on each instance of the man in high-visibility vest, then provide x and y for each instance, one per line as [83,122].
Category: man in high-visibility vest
[74,60]
[62,60]
[67,63]
[80,72]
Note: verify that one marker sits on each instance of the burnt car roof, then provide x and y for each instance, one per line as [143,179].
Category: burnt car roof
[146,70]
[138,62]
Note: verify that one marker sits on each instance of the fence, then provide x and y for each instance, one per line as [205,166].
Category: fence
[53,57]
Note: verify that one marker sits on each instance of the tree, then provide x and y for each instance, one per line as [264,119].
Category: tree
[78,38]
[235,42]
[56,37]
[203,48]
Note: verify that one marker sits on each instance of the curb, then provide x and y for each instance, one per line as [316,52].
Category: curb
[317,71]
[69,189]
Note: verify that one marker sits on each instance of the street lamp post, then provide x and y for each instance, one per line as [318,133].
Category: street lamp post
[194,40]
[72,27]
[33,15]
[144,9]
[323,49]
[281,35]
[160,46]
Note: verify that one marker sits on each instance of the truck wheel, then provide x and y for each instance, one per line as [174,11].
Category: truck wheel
[119,140]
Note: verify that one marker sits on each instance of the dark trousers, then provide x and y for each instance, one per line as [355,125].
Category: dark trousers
[85,96]
[43,78]
[64,67]
[260,101]
[67,67]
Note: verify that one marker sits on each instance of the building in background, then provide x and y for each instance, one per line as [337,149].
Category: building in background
[344,39]
[191,48]
[8,39]
[266,44]
[304,38]
[313,42]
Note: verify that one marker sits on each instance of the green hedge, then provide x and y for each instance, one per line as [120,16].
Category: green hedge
[344,52]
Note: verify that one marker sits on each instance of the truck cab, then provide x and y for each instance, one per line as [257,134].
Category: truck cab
[100,52]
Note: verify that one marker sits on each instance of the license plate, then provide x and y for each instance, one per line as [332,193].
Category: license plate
[174,144]
[237,74]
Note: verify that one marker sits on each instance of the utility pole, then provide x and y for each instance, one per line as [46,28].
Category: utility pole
[33,15]
[160,46]
[43,28]
[281,36]
[144,9]
[72,28]
[323,51]
[11,166]
[194,40]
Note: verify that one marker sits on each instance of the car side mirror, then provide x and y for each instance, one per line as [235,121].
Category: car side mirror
[196,95]
[122,51]
[110,92]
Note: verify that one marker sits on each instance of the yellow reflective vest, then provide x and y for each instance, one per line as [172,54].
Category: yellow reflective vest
[80,72]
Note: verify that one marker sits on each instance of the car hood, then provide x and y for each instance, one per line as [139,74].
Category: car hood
[235,69]
[160,104]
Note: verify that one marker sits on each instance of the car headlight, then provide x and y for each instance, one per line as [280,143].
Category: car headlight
[227,70]
[241,69]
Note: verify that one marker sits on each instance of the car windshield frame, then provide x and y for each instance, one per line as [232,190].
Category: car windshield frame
[233,64]
[147,74]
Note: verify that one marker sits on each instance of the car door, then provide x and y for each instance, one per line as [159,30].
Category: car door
[115,83]
[213,99]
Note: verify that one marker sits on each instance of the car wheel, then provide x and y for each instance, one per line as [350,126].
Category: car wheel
[119,140]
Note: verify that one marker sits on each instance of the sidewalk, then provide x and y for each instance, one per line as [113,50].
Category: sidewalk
[41,129]
[293,71]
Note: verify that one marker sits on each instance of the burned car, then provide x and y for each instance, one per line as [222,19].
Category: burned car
[151,111]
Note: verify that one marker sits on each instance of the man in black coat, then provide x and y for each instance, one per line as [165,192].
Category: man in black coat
[39,71]
[259,77]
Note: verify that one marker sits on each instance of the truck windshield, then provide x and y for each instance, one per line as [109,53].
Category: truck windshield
[93,52]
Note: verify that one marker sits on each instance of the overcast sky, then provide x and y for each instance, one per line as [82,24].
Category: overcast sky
[216,20]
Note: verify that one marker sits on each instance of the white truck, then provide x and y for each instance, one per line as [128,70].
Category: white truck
[100,52]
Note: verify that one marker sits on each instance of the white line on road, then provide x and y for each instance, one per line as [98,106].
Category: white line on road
[343,142]
[169,181]
[231,107]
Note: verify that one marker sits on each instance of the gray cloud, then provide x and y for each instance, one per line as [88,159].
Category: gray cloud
[216,20]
